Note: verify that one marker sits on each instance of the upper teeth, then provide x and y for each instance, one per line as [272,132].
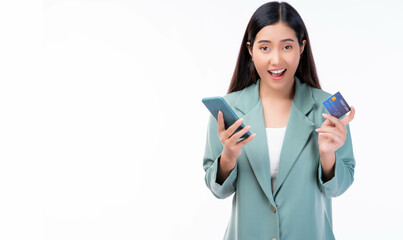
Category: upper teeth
[278,71]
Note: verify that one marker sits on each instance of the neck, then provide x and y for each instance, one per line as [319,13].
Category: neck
[267,93]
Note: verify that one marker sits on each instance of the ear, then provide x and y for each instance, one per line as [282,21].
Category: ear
[302,47]
[248,46]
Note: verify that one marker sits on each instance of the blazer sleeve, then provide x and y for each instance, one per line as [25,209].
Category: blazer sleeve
[344,170]
[211,162]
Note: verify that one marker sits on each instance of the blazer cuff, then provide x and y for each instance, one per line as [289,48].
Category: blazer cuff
[228,187]
[330,187]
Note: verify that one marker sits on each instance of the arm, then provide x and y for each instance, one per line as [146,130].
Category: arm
[211,160]
[341,174]
[223,147]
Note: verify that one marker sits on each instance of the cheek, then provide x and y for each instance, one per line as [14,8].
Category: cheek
[293,60]
[260,63]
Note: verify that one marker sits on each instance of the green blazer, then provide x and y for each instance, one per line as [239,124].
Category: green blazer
[300,206]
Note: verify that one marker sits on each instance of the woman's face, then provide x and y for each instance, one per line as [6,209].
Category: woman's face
[276,55]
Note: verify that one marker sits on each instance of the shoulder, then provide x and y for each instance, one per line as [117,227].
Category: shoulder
[319,95]
[231,98]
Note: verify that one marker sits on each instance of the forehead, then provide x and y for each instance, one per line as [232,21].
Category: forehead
[275,33]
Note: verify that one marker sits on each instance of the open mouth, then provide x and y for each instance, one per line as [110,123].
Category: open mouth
[277,73]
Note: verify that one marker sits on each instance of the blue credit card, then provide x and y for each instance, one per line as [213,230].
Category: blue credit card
[336,105]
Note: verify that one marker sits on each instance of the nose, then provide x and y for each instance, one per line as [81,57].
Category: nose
[275,57]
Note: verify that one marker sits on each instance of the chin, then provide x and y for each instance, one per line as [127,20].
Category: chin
[279,84]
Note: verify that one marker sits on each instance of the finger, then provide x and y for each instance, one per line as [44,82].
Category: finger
[246,140]
[328,123]
[324,129]
[235,137]
[220,121]
[334,138]
[337,122]
[341,128]
[331,130]
[234,127]
[349,117]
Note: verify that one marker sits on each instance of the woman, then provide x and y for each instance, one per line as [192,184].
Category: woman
[285,174]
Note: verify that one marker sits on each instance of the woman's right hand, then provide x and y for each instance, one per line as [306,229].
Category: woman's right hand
[231,146]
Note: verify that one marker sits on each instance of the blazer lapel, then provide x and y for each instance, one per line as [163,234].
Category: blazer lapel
[256,151]
[299,128]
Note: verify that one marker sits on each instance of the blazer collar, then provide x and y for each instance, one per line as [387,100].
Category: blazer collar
[299,128]
[250,97]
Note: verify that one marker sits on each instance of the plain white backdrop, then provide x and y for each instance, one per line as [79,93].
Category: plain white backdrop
[102,129]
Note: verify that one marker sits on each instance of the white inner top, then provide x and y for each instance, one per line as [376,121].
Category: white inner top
[275,137]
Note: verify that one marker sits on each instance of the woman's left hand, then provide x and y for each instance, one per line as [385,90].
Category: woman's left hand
[333,132]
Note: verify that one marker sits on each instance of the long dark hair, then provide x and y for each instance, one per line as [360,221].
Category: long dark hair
[270,13]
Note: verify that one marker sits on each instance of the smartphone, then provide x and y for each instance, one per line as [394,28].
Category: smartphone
[215,104]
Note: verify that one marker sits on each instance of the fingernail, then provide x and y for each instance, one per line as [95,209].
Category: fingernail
[241,119]
[317,129]
[324,115]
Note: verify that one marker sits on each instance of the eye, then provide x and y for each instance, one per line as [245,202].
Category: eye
[264,48]
[288,47]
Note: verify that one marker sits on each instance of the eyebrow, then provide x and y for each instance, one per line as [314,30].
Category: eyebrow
[284,40]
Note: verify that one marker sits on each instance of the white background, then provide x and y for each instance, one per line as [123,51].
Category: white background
[102,129]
